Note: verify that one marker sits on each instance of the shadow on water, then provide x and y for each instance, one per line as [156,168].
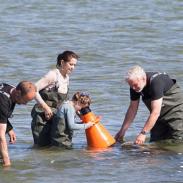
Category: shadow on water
[154,148]
[170,146]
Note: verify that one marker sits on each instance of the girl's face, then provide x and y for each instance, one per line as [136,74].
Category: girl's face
[68,67]
[79,106]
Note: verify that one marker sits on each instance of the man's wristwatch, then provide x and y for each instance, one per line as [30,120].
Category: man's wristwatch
[143,132]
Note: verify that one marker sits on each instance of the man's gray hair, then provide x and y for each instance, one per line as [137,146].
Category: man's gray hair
[135,72]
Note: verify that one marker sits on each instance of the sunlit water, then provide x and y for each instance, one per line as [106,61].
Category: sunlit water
[109,36]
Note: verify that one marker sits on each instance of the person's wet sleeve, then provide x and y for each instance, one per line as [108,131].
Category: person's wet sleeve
[71,120]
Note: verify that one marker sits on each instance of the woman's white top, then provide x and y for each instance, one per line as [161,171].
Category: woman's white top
[52,79]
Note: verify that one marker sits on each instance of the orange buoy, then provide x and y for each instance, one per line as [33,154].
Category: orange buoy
[97,135]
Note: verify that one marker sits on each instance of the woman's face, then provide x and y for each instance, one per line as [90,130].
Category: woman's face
[68,67]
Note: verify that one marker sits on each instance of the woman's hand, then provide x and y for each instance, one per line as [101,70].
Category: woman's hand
[48,112]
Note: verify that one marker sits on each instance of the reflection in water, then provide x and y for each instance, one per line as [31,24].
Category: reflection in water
[169,146]
[98,154]
[161,147]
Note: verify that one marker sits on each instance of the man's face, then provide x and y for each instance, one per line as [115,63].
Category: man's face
[137,84]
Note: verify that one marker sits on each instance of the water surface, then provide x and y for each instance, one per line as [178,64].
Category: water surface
[109,36]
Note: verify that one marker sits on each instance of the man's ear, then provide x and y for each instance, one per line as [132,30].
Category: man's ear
[18,94]
[144,78]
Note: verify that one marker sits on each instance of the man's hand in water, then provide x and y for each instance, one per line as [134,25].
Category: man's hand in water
[12,136]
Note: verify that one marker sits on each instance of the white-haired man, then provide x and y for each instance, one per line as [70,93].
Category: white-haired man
[163,98]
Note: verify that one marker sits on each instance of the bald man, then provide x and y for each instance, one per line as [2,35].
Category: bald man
[24,92]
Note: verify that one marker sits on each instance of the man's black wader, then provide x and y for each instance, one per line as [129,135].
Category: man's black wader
[41,128]
[170,122]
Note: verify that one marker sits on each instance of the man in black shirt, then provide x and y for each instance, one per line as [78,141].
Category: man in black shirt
[163,98]
[9,97]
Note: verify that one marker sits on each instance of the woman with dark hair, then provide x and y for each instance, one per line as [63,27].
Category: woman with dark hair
[52,90]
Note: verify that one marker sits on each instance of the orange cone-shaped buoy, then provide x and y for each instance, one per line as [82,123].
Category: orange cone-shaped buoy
[97,136]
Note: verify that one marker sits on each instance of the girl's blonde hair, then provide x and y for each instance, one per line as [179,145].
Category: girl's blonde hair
[82,97]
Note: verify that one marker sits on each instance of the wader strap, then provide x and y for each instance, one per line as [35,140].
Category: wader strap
[147,102]
[2,91]
[155,75]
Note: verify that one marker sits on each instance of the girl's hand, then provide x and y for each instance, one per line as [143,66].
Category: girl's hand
[89,124]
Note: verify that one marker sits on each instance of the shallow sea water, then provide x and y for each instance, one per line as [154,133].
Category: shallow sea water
[109,36]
